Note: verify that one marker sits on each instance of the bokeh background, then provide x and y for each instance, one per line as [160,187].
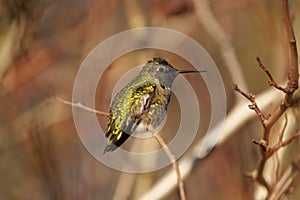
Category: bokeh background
[42,44]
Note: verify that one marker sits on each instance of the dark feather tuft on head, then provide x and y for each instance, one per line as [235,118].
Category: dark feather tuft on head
[158,60]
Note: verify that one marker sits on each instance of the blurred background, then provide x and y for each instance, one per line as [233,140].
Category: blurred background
[43,43]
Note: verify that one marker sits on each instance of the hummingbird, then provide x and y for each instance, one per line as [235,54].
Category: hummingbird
[143,101]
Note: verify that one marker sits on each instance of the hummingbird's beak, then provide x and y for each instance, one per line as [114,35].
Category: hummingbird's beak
[190,71]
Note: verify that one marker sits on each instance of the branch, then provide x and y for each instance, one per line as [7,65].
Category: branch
[253,106]
[280,138]
[293,75]
[172,159]
[283,143]
[289,102]
[262,143]
[271,80]
[271,150]
[79,105]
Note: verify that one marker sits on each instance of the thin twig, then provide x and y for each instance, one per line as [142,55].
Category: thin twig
[79,105]
[172,159]
[284,143]
[260,177]
[277,167]
[271,150]
[271,80]
[262,143]
[283,128]
[253,106]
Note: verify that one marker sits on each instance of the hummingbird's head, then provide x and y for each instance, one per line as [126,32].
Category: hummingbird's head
[163,72]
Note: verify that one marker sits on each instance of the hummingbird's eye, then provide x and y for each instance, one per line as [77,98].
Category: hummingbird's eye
[161,69]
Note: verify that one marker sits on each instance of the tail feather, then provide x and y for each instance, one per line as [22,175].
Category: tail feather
[109,147]
[114,144]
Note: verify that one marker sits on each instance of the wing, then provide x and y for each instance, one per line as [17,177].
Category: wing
[120,127]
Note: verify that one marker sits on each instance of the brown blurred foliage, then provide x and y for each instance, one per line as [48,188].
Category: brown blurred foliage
[42,44]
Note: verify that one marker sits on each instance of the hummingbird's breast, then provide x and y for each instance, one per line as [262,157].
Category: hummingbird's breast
[159,105]
[141,102]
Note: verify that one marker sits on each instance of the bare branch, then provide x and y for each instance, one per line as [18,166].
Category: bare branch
[253,106]
[263,144]
[271,80]
[283,129]
[260,178]
[284,143]
[172,159]
[293,75]
[79,105]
